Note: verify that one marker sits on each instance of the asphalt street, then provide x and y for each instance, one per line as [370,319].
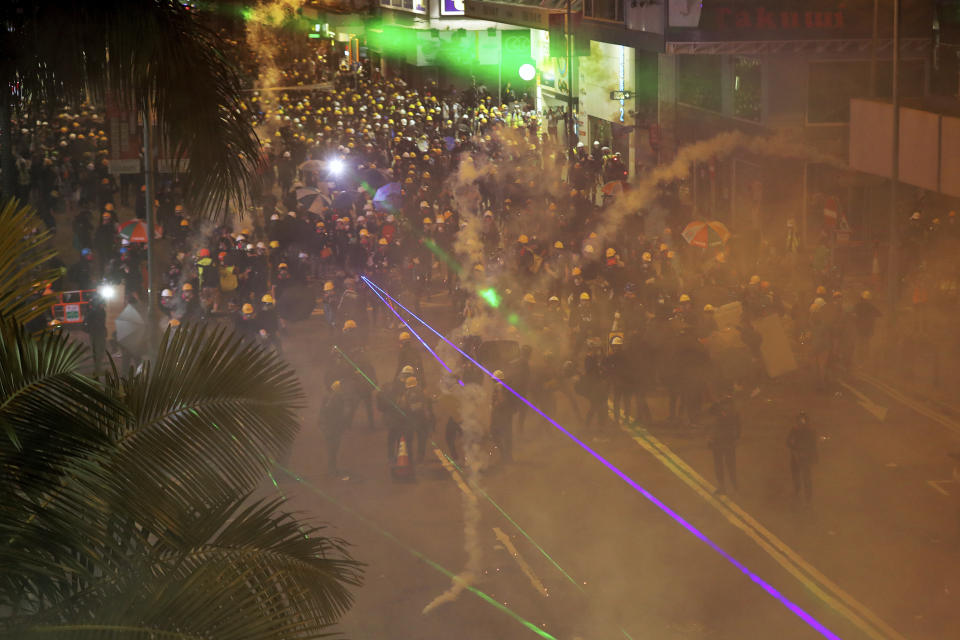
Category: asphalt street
[557,542]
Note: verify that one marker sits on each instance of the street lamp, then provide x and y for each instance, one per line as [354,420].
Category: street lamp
[527,71]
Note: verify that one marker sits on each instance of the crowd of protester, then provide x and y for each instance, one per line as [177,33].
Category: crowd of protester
[432,192]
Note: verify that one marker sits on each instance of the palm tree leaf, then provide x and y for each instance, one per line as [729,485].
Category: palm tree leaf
[24,253]
[264,574]
[208,417]
[48,410]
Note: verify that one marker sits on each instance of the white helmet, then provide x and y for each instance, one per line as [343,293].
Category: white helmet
[166,293]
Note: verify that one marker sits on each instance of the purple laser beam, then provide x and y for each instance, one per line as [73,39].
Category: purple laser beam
[407,325]
[770,589]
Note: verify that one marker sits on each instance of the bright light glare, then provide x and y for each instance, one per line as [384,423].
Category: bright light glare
[335,166]
[107,291]
[527,71]
[491,297]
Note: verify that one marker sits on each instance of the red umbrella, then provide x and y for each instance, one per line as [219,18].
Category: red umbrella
[706,234]
[134,230]
[613,188]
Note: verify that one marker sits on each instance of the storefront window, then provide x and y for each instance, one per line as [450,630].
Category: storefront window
[747,93]
[699,81]
[604,9]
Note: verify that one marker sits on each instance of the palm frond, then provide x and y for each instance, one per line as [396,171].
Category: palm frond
[208,417]
[52,476]
[25,249]
[264,574]
[48,410]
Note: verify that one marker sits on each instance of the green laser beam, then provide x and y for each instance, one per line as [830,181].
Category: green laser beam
[431,244]
[474,486]
[506,515]
[354,365]
[491,296]
[417,554]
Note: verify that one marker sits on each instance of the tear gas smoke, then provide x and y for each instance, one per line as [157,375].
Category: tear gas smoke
[470,399]
[262,36]
[724,144]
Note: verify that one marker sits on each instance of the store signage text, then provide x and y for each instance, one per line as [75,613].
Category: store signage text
[772,19]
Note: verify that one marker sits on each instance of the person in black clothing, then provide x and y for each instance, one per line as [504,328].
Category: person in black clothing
[333,422]
[395,420]
[502,409]
[246,323]
[418,410]
[95,324]
[357,390]
[270,323]
[618,368]
[865,315]
[593,386]
[802,443]
[723,442]
[78,274]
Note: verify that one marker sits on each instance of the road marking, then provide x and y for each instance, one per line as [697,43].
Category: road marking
[455,474]
[512,550]
[936,416]
[821,586]
[935,485]
[878,411]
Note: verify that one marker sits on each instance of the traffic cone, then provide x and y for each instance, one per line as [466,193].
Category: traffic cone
[401,469]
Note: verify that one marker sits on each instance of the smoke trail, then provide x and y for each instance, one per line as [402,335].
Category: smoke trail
[471,400]
[466,196]
[262,37]
[719,146]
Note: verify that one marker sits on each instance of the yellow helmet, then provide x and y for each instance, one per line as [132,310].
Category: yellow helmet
[335,386]
[404,336]
[349,324]
[584,296]
[187,286]
[646,257]
[684,297]
[411,382]
[328,286]
[427,221]
[528,297]
[268,299]
[558,245]
[247,309]
[611,252]
[523,239]
[382,242]
[274,244]
[576,271]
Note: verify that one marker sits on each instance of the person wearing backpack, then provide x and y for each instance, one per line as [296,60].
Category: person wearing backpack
[419,414]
